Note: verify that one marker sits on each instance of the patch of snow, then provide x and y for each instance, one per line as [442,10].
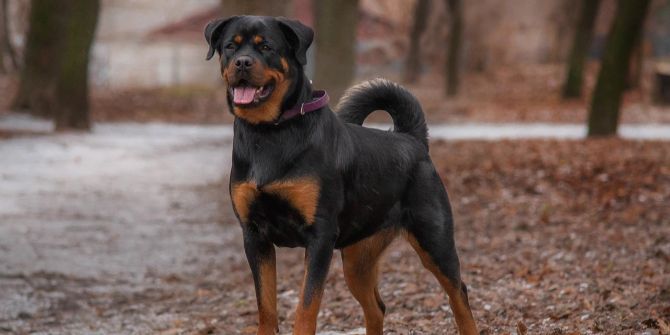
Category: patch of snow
[24,122]
[511,131]
[105,192]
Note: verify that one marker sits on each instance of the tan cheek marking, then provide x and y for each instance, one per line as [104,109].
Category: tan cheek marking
[243,194]
[237,39]
[268,111]
[284,64]
[230,68]
[258,39]
[302,194]
[224,74]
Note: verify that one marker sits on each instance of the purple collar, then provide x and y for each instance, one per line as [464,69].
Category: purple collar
[319,100]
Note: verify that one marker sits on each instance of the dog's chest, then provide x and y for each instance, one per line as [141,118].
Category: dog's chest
[277,207]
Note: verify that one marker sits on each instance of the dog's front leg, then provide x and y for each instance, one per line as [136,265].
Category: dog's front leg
[261,256]
[317,262]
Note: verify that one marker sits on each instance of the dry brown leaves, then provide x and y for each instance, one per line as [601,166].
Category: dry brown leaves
[576,233]
[555,237]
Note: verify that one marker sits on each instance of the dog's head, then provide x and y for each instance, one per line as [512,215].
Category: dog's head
[262,61]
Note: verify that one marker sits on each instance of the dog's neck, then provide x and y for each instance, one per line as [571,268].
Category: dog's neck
[259,149]
[301,94]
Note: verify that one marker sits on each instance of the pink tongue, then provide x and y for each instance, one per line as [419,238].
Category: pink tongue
[243,95]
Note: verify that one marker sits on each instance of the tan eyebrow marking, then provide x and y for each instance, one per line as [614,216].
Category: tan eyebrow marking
[237,39]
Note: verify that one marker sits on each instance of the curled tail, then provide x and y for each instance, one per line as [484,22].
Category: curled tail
[381,94]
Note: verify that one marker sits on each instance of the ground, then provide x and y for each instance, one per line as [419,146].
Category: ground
[129,230]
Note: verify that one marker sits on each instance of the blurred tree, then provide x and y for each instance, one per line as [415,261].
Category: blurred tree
[606,102]
[8,60]
[412,63]
[455,8]
[72,99]
[54,79]
[37,75]
[636,63]
[565,22]
[255,7]
[336,25]
[580,48]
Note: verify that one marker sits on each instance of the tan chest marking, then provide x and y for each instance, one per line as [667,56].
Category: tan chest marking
[302,194]
[243,194]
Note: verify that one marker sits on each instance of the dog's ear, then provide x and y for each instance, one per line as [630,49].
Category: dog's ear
[299,37]
[213,32]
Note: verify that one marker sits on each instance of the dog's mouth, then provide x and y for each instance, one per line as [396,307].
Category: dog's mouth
[246,94]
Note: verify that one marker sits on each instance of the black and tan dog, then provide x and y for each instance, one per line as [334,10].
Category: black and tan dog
[305,177]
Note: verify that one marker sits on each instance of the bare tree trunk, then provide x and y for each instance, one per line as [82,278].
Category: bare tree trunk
[606,103]
[3,34]
[72,94]
[336,25]
[37,78]
[8,60]
[454,52]
[54,78]
[636,64]
[256,7]
[412,64]
[580,49]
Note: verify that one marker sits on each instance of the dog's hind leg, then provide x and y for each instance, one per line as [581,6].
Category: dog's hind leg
[431,234]
[360,263]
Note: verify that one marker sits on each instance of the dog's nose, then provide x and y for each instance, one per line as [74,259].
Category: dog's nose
[244,62]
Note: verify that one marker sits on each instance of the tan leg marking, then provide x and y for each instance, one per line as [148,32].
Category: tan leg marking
[361,262]
[267,298]
[306,315]
[457,299]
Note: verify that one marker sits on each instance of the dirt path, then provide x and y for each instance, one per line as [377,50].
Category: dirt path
[89,224]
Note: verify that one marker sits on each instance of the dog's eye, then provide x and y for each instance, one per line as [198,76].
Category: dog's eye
[266,47]
[230,46]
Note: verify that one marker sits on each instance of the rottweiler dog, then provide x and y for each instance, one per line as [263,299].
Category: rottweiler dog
[303,176]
